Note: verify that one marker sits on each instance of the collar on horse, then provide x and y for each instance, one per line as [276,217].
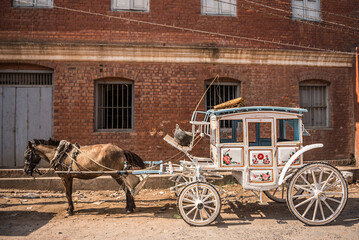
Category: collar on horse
[62,152]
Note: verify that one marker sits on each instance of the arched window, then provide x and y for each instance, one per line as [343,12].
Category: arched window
[313,96]
[114,104]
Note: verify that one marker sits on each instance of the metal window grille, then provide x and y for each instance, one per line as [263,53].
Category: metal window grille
[220,93]
[114,106]
[315,100]
[216,7]
[33,3]
[306,10]
[25,79]
[130,5]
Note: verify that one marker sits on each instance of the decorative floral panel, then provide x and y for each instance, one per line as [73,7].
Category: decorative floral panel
[260,176]
[285,153]
[261,158]
[232,157]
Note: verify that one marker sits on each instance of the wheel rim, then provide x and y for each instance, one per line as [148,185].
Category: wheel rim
[323,197]
[199,204]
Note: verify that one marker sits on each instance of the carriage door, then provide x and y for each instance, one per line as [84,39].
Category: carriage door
[260,150]
[25,112]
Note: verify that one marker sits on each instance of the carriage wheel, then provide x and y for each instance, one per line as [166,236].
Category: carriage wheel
[181,181]
[199,204]
[279,194]
[324,195]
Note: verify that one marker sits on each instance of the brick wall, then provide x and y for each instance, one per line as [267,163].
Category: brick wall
[166,94]
[59,25]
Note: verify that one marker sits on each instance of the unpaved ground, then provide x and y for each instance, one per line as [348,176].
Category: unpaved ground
[100,215]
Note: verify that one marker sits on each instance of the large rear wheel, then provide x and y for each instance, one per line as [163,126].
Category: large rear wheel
[324,196]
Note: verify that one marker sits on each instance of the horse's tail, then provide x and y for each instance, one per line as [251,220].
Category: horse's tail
[133,159]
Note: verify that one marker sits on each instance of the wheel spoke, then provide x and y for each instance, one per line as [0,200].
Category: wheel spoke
[213,209]
[331,185]
[334,200]
[190,205]
[326,182]
[195,214]
[191,211]
[211,201]
[208,196]
[208,215]
[303,188]
[326,204]
[315,209]
[334,193]
[314,179]
[200,214]
[306,181]
[308,207]
[205,190]
[321,209]
[320,177]
[304,202]
[303,195]
[188,200]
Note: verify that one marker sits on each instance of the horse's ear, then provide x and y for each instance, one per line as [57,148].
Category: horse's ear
[28,144]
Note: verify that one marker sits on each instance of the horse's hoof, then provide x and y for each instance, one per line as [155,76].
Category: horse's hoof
[127,211]
[69,214]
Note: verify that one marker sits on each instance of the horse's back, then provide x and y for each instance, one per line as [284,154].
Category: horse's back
[99,155]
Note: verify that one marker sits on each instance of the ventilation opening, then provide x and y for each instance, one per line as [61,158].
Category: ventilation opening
[29,79]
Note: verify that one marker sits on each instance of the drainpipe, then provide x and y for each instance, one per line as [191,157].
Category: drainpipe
[356,108]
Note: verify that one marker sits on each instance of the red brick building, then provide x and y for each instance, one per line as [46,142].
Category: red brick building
[126,71]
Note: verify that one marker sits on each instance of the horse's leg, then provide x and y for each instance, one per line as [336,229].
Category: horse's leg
[130,201]
[67,181]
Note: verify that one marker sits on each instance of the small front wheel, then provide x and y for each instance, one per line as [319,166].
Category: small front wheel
[199,204]
[324,196]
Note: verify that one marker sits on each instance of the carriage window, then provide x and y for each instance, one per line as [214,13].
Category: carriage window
[114,106]
[232,135]
[260,133]
[287,130]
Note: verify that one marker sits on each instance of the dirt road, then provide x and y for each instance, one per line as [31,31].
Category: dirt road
[100,215]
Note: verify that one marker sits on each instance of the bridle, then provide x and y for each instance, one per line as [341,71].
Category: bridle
[31,159]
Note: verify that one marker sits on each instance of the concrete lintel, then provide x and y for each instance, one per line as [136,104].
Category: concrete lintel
[170,54]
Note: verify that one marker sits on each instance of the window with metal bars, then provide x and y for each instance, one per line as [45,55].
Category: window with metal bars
[114,106]
[220,93]
[314,98]
[219,7]
[25,78]
[130,5]
[308,10]
[33,3]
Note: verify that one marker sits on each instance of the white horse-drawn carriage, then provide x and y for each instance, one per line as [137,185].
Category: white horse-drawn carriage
[263,148]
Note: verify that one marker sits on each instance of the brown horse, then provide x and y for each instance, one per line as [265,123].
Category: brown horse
[100,157]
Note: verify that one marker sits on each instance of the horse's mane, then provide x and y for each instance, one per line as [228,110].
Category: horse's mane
[133,159]
[50,142]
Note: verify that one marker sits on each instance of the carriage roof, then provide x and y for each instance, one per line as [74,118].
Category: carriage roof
[227,111]
[256,109]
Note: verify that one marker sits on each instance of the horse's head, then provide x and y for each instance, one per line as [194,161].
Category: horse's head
[31,158]
[36,150]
